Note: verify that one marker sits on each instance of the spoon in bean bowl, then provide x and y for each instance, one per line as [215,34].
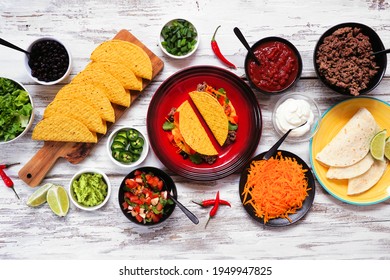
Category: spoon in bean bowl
[12,46]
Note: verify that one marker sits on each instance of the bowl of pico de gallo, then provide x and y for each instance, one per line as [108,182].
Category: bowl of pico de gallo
[144,196]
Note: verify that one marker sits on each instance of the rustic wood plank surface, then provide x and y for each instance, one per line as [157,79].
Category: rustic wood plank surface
[331,230]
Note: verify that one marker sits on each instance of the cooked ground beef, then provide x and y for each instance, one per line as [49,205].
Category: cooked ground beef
[201,87]
[344,59]
[209,159]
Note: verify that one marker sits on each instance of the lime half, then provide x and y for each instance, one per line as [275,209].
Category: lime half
[58,200]
[387,148]
[377,145]
[39,196]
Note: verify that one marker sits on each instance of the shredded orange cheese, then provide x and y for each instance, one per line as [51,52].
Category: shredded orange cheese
[276,187]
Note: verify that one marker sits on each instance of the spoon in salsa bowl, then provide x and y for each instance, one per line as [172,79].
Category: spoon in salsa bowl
[242,39]
[275,147]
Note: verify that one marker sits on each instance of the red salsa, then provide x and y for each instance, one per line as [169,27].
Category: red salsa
[278,66]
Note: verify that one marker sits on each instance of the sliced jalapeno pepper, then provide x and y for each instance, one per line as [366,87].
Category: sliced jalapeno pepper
[136,157]
[117,145]
[125,156]
[115,153]
[136,151]
[137,143]
[122,133]
[121,139]
[132,134]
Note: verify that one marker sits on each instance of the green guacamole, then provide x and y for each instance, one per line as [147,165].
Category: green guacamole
[89,189]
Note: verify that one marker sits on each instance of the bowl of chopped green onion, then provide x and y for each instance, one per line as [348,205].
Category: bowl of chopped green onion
[178,38]
[16,110]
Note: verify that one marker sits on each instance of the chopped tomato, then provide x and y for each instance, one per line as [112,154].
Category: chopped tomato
[137,208]
[125,205]
[221,99]
[159,207]
[176,117]
[155,218]
[131,183]
[160,185]
[171,138]
[137,172]
[139,218]
[234,119]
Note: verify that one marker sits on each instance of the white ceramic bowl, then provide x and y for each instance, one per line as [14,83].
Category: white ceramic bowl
[142,156]
[26,59]
[161,39]
[311,129]
[30,122]
[72,196]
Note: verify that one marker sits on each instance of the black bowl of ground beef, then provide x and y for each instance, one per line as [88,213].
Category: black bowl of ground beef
[344,62]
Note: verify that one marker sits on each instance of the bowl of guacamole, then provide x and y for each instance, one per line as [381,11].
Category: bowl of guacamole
[89,189]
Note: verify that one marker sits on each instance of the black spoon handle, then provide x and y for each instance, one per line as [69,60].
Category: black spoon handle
[381,52]
[275,147]
[188,213]
[242,39]
[12,46]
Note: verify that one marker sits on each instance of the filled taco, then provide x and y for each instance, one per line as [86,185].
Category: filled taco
[186,132]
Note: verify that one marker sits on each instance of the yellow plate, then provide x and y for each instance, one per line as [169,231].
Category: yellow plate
[332,121]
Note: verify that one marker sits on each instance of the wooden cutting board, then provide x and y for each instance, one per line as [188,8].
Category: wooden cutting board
[35,170]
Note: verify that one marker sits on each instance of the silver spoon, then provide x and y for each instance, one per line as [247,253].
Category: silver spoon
[188,213]
[12,46]
[241,37]
[275,147]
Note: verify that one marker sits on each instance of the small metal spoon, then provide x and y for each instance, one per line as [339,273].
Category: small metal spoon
[188,213]
[12,46]
[241,37]
[275,147]
[381,52]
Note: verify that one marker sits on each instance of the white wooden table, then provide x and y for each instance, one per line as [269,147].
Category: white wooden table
[331,230]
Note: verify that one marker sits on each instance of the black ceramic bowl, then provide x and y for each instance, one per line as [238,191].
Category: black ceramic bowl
[307,203]
[168,185]
[377,45]
[266,46]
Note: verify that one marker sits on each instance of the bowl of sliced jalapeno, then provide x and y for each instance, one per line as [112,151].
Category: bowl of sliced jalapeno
[127,146]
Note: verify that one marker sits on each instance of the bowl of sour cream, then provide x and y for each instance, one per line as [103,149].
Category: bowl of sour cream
[291,111]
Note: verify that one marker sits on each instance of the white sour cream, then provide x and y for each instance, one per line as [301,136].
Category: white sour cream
[292,113]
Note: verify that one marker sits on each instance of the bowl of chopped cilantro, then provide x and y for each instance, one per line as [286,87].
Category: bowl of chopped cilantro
[178,38]
[16,110]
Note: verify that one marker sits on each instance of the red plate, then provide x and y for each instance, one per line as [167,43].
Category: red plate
[174,91]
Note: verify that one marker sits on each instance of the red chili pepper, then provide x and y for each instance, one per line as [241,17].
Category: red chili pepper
[7,181]
[211,202]
[213,210]
[217,51]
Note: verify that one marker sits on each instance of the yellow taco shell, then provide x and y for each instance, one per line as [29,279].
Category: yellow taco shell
[193,132]
[213,114]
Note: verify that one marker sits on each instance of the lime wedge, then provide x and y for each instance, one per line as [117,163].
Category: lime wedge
[387,148]
[58,200]
[377,145]
[39,196]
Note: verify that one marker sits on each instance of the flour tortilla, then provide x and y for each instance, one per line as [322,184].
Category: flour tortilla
[193,132]
[367,180]
[213,114]
[352,142]
[351,171]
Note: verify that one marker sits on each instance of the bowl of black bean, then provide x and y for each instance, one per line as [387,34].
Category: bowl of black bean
[49,61]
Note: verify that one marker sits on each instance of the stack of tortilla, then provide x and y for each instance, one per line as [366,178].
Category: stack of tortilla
[348,154]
